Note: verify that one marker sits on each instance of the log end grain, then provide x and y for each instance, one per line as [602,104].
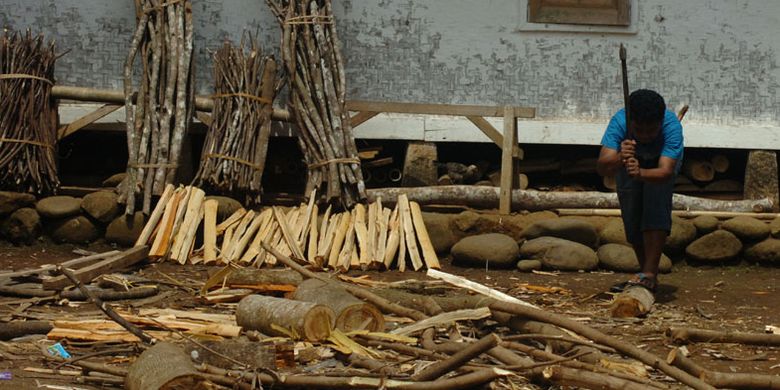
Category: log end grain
[633,302]
[164,366]
[361,316]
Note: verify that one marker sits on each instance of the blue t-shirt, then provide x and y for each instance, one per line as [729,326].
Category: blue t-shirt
[671,131]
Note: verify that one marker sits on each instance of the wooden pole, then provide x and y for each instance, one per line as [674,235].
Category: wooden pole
[507,163]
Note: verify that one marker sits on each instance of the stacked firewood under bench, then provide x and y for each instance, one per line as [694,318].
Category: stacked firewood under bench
[367,237]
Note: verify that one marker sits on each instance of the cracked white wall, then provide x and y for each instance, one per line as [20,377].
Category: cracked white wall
[719,56]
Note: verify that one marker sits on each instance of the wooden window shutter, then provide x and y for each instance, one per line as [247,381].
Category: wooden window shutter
[593,12]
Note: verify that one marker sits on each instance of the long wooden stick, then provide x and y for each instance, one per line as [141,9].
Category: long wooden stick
[458,359]
[687,335]
[105,308]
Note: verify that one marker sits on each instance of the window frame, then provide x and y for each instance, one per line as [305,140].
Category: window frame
[524,25]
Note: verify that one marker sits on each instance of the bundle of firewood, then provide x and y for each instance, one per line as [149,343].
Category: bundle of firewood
[372,237]
[28,115]
[159,108]
[235,149]
[311,52]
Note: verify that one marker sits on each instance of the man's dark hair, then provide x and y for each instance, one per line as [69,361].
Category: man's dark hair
[646,106]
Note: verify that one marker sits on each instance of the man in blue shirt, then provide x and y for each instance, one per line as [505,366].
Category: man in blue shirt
[644,158]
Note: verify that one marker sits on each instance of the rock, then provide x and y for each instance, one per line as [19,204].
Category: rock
[469,223]
[115,180]
[58,206]
[227,206]
[420,164]
[767,251]
[75,230]
[440,231]
[747,228]
[614,233]
[12,201]
[101,205]
[567,228]
[23,226]
[718,246]
[705,224]
[683,233]
[621,258]
[493,249]
[559,254]
[774,227]
[529,265]
[125,230]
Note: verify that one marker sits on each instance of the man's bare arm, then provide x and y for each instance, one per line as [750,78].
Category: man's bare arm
[664,171]
[609,162]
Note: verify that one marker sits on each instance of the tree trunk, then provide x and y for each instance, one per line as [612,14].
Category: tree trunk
[163,366]
[487,198]
[351,313]
[761,176]
[720,163]
[307,320]
[16,329]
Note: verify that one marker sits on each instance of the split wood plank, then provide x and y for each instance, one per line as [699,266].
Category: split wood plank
[111,264]
[338,240]
[266,229]
[381,245]
[179,219]
[345,257]
[238,249]
[409,236]
[372,237]
[314,236]
[154,218]
[210,230]
[443,319]
[192,217]
[165,231]
[476,287]
[232,219]
[429,254]
[81,261]
[362,235]
[287,234]
[238,233]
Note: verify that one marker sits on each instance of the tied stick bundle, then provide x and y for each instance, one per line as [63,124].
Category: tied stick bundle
[311,52]
[28,114]
[158,120]
[235,149]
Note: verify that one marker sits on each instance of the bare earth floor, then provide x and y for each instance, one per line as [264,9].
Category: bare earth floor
[740,297]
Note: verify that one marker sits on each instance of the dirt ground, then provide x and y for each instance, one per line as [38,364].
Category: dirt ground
[740,297]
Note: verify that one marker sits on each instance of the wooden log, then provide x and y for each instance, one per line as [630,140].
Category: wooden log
[310,321]
[210,231]
[251,276]
[720,163]
[154,218]
[565,376]
[487,197]
[111,264]
[723,186]
[111,295]
[429,254]
[458,359]
[692,335]
[698,170]
[14,329]
[746,381]
[679,360]
[635,301]
[351,313]
[164,366]
[408,230]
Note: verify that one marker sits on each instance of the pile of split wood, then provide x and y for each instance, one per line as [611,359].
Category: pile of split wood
[373,237]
